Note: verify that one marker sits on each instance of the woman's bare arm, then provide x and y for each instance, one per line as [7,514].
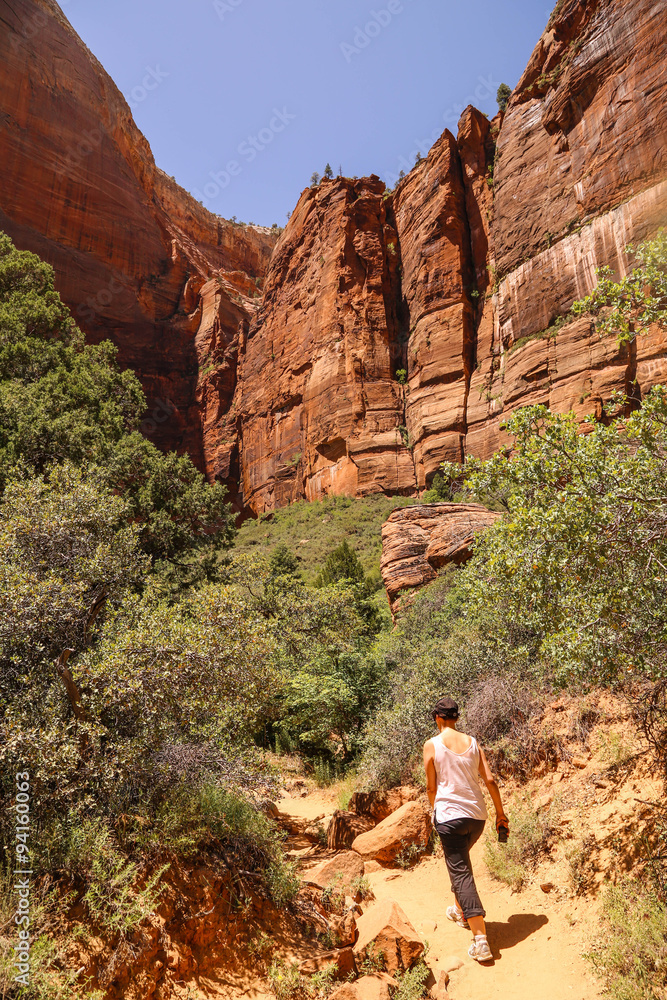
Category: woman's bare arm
[494,791]
[429,767]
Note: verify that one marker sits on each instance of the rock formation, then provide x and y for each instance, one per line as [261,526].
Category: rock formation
[396,329]
[419,541]
[137,259]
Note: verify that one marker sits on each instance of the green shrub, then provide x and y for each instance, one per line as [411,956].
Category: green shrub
[630,952]
[530,834]
[412,982]
[287,983]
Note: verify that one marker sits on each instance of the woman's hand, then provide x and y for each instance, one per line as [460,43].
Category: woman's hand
[502,820]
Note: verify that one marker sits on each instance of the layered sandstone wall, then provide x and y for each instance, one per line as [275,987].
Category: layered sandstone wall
[130,248]
[455,278]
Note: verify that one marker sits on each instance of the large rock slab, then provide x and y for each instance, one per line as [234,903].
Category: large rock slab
[408,825]
[342,870]
[377,805]
[344,827]
[418,541]
[385,928]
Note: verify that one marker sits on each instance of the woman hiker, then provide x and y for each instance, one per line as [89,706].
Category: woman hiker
[454,763]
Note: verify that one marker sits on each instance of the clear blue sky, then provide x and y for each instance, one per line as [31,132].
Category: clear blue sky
[279,87]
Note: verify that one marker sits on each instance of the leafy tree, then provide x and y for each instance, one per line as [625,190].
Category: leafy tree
[418,159]
[503,96]
[62,400]
[401,174]
[342,564]
[284,563]
[314,179]
[328,172]
[573,570]
[629,306]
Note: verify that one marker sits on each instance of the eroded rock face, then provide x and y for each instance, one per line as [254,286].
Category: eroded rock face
[137,259]
[581,171]
[456,277]
[418,541]
[319,405]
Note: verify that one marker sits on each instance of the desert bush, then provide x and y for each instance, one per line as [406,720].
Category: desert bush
[523,749]
[530,836]
[496,706]
[412,982]
[287,983]
[630,951]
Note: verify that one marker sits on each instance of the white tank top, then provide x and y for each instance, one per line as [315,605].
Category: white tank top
[459,792]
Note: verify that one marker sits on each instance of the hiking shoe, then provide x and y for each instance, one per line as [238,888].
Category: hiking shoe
[480,951]
[455,914]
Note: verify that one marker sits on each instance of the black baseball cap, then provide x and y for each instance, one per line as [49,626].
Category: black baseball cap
[446,708]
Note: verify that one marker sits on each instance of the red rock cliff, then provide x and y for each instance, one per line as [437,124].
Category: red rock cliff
[136,258]
[493,235]
[455,278]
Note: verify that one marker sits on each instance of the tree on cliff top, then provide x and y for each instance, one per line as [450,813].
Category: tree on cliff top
[328,172]
[503,96]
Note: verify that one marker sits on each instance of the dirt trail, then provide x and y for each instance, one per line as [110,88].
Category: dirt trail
[537,940]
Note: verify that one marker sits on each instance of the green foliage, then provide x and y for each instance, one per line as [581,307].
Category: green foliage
[630,951]
[503,96]
[328,172]
[401,376]
[374,961]
[573,568]
[59,398]
[114,901]
[629,306]
[433,650]
[287,983]
[412,982]
[62,400]
[341,566]
[183,521]
[312,530]
[529,837]
[439,492]
[315,179]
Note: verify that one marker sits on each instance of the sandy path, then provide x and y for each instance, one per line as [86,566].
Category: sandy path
[536,940]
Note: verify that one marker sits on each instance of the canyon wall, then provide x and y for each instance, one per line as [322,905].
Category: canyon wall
[136,258]
[458,276]
[395,329]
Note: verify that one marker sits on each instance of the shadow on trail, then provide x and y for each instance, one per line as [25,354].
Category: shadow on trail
[517,928]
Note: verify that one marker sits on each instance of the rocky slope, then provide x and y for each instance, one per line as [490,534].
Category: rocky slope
[396,328]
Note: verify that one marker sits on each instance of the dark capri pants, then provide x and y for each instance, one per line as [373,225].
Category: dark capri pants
[457,837]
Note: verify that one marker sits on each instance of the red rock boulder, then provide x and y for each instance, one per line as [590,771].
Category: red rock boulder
[386,929]
[407,825]
[344,827]
[418,541]
[377,805]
